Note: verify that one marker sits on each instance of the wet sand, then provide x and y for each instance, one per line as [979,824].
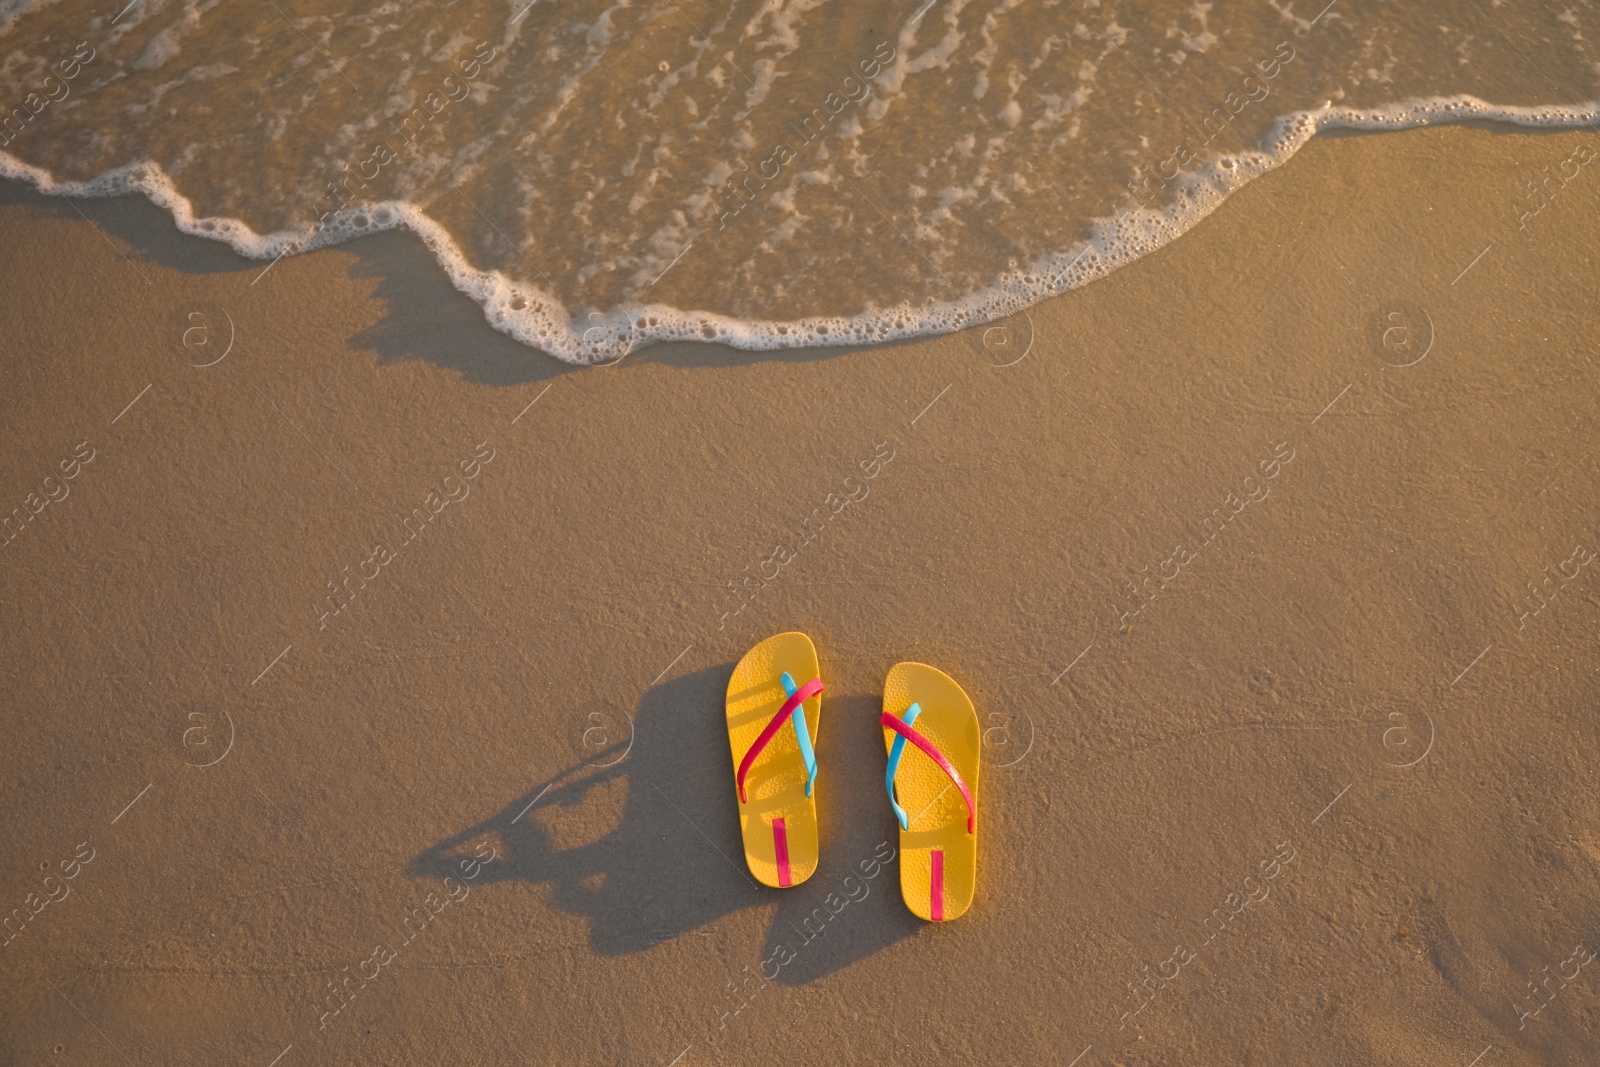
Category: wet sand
[365,684]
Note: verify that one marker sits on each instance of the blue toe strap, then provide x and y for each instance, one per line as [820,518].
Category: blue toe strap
[895,751]
[798,717]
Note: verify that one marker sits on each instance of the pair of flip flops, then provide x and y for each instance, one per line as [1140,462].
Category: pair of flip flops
[774,710]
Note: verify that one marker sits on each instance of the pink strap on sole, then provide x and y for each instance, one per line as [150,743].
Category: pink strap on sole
[898,726]
[780,845]
[936,905]
[801,695]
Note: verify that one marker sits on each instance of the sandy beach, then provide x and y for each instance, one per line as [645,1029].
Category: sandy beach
[365,668]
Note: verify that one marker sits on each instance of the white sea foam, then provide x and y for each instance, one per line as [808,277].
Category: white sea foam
[536,318]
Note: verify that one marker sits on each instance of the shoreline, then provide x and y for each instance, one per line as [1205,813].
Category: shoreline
[524,312]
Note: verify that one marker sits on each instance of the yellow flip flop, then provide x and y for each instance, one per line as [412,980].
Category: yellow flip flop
[775,769]
[939,787]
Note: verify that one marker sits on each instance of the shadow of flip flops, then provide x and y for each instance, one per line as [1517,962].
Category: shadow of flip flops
[648,848]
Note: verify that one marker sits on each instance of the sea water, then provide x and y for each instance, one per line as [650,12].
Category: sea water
[760,173]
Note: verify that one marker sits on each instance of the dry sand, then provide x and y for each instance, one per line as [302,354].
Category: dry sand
[1322,778]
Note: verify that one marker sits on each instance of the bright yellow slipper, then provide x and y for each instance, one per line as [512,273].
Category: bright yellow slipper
[775,769]
[938,787]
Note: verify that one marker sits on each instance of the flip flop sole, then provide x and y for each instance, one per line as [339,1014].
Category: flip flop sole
[778,821]
[938,857]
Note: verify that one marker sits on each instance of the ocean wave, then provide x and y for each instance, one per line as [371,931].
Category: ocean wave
[537,319]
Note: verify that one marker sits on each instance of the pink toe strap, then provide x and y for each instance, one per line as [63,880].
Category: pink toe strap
[898,725]
[801,695]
